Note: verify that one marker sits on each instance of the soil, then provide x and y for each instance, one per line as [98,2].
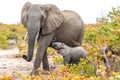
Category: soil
[10,65]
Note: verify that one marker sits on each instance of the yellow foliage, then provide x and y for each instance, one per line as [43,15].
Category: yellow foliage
[109,53]
[95,37]
[6,77]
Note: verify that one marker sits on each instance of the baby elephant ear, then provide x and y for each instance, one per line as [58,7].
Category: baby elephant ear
[54,18]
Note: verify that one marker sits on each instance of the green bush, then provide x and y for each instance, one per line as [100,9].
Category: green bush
[114,15]
[3,41]
[83,68]
[104,34]
[12,31]
[58,59]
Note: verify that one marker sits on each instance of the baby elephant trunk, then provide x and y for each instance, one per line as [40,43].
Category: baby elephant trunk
[56,45]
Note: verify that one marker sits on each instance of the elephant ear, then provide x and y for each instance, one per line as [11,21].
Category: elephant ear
[54,18]
[24,11]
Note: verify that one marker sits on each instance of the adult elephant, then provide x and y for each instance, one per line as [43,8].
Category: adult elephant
[48,22]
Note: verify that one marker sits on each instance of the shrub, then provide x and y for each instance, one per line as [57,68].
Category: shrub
[12,31]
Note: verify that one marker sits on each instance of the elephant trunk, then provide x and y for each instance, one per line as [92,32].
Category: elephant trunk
[33,28]
[31,42]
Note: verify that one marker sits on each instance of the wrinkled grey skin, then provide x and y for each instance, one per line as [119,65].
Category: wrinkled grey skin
[48,22]
[71,55]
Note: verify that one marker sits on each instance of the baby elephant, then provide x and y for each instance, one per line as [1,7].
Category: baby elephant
[71,55]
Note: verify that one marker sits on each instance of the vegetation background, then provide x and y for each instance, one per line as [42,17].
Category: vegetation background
[105,33]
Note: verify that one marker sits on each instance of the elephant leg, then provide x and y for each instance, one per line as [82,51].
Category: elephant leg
[43,44]
[75,44]
[38,58]
[45,62]
[66,60]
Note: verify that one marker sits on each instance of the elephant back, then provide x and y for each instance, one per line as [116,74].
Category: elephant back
[70,30]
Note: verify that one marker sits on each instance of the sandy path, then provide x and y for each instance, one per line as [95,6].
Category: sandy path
[11,51]
[10,64]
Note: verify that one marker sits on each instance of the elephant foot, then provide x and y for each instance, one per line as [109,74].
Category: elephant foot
[46,72]
[39,71]
[34,72]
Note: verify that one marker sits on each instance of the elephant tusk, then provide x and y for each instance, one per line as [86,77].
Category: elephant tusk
[37,35]
[25,35]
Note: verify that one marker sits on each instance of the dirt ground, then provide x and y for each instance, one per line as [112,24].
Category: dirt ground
[11,65]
